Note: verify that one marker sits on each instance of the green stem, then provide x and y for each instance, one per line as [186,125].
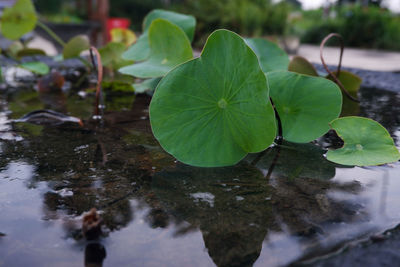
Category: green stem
[51,33]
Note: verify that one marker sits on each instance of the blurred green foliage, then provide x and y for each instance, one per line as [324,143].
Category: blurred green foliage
[60,11]
[370,27]
[246,17]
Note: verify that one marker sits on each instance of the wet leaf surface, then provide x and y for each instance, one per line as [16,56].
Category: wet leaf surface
[304,107]
[213,110]
[366,143]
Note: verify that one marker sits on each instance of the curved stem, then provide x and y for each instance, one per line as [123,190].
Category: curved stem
[51,33]
[331,74]
[99,69]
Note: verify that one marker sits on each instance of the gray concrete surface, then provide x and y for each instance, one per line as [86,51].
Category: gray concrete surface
[366,59]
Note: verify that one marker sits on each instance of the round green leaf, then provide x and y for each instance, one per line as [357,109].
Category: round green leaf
[366,143]
[303,66]
[305,104]
[75,46]
[141,49]
[169,47]
[36,67]
[213,110]
[270,55]
[18,20]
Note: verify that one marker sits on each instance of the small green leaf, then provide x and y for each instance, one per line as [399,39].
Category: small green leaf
[75,46]
[270,55]
[141,49]
[18,20]
[352,84]
[186,22]
[146,85]
[169,47]
[111,56]
[36,67]
[305,104]
[30,52]
[124,36]
[349,80]
[303,66]
[213,110]
[366,143]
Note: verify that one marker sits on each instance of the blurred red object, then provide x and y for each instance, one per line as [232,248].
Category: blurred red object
[113,23]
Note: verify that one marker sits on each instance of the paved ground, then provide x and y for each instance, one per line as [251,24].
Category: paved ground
[354,58]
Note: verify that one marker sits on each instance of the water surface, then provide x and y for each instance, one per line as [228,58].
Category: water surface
[159,212]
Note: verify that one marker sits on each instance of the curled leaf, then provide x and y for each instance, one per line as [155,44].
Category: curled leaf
[301,65]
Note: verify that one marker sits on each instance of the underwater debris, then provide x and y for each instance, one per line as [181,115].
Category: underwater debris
[91,225]
[48,117]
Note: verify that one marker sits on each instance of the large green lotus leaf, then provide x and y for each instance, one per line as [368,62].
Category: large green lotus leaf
[141,49]
[36,67]
[169,47]
[18,20]
[305,104]
[213,110]
[75,46]
[270,55]
[303,66]
[366,143]
[111,55]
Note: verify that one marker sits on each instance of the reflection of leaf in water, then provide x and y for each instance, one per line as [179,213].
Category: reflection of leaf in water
[298,161]
[228,205]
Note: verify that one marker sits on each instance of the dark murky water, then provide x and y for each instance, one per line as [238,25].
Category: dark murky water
[158,212]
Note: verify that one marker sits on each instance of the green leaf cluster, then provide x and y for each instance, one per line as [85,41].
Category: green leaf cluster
[213,110]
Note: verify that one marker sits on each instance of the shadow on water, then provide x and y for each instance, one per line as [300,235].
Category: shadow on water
[158,211]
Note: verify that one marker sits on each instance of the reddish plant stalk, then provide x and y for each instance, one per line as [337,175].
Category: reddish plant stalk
[99,69]
[331,74]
